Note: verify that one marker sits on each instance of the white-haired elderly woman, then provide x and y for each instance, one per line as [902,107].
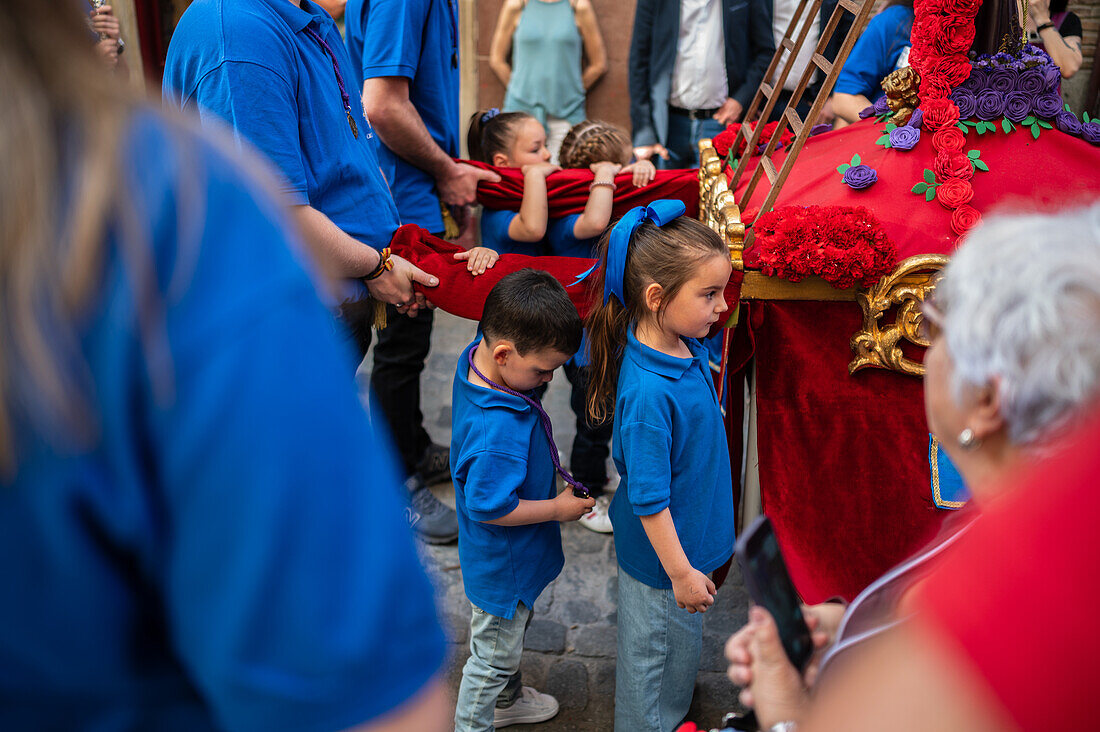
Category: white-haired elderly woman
[1014,360]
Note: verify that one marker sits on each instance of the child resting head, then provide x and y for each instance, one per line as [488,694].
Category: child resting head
[507,139]
[591,142]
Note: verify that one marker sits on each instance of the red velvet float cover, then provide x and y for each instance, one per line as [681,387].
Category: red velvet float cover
[567,190]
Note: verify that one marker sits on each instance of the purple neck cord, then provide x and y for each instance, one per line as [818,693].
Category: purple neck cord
[578,489]
[339,79]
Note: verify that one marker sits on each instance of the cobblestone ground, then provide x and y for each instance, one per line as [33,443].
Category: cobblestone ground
[570,646]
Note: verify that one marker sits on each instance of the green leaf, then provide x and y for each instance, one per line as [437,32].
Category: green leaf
[1028,120]
[974,154]
[1086,117]
[855,159]
[929,176]
[980,165]
[962,126]
[1006,125]
[891,126]
[1067,108]
[930,194]
[1035,132]
[1045,125]
[841,168]
[884,140]
[919,188]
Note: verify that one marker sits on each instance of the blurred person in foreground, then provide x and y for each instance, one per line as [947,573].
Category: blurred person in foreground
[187,541]
[1014,361]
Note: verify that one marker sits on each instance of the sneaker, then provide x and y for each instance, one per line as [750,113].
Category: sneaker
[432,521]
[597,519]
[531,706]
[435,466]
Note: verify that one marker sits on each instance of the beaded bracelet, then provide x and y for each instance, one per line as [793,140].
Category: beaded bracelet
[385,264]
[610,184]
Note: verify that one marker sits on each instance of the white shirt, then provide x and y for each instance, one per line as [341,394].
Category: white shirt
[782,12]
[699,74]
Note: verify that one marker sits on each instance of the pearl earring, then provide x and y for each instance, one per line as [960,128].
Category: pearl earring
[968,440]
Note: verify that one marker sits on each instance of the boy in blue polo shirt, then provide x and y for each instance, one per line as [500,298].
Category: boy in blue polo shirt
[509,541]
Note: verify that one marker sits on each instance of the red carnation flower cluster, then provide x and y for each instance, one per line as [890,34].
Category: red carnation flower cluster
[724,140]
[843,245]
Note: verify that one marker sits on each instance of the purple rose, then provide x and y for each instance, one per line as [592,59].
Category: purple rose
[1017,106]
[1067,122]
[965,100]
[867,112]
[976,81]
[1052,77]
[916,119]
[904,138]
[882,105]
[1002,80]
[1047,105]
[1031,82]
[1090,133]
[820,128]
[991,105]
[861,176]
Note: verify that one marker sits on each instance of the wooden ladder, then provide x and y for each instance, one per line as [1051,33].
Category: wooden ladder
[768,95]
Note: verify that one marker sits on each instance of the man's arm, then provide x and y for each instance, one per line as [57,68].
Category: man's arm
[391,112]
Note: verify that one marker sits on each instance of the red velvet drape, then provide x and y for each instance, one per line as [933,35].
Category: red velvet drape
[153,47]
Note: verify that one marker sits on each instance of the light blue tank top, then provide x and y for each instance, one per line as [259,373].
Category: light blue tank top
[546,63]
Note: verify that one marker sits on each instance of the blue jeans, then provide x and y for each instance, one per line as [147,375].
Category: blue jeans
[659,650]
[491,676]
[684,134]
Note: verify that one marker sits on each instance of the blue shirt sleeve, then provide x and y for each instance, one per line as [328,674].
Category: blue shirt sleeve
[875,53]
[260,106]
[493,480]
[393,37]
[646,450]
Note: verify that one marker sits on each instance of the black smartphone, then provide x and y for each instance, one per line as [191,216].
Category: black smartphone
[770,586]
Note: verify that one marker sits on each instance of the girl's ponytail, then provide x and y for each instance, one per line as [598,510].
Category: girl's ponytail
[606,324]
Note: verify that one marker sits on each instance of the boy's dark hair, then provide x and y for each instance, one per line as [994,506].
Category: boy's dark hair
[531,309]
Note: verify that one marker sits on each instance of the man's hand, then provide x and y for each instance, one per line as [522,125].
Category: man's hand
[729,112]
[567,507]
[458,187]
[478,259]
[645,152]
[396,286]
[693,590]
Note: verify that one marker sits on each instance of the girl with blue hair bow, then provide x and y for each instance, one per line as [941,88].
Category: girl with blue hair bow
[663,279]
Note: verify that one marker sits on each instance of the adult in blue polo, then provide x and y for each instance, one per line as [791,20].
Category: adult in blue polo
[405,53]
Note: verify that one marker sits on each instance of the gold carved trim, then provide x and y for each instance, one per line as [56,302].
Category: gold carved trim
[717,208]
[877,345]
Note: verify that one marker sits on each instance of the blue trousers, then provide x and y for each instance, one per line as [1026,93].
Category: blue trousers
[491,676]
[684,134]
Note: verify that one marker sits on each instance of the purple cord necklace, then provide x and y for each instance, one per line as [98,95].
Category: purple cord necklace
[339,79]
[578,489]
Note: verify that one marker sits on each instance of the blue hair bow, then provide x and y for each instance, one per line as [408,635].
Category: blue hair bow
[489,114]
[618,246]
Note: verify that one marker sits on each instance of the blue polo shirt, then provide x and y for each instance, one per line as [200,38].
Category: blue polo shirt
[670,449]
[563,243]
[254,65]
[877,53]
[416,39]
[494,234]
[500,454]
[223,553]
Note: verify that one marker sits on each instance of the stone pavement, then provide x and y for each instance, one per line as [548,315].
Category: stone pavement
[570,646]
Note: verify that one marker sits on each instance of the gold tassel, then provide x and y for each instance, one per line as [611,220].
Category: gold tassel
[450,226]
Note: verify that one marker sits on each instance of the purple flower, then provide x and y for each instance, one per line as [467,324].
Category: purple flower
[820,128]
[867,112]
[861,176]
[976,81]
[904,138]
[965,100]
[1031,82]
[1067,122]
[916,119]
[882,105]
[1002,80]
[1090,133]
[1047,105]
[991,105]
[1017,106]
[1052,77]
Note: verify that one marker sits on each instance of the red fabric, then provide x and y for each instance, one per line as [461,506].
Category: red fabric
[462,294]
[1052,172]
[153,48]
[567,190]
[1033,550]
[844,472]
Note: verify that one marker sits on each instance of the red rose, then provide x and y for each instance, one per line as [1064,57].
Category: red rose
[724,139]
[954,35]
[949,138]
[966,9]
[918,57]
[933,87]
[954,193]
[953,69]
[926,28]
[929,7]
[965,218]
[939,113]
[952,164]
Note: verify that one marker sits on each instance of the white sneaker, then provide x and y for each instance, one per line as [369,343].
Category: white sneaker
[531,706]
[597,519]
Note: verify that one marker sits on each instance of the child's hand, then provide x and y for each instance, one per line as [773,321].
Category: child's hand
[480,259]
[643,172]
[694,591]
[543,169]
[605,171]
[570,508]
